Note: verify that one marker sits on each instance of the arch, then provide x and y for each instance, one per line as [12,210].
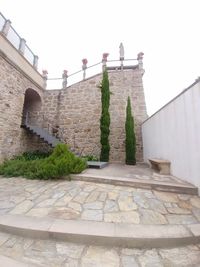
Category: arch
[32,107]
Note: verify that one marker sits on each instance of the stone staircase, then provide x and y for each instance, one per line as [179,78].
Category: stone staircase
[45,136]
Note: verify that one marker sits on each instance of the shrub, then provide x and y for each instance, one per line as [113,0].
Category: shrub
[90,158]
[130,136]
[32,155]
[105,118]
[60,163]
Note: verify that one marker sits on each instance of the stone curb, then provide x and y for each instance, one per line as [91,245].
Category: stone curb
[100,233]
[152,185]
[8,262]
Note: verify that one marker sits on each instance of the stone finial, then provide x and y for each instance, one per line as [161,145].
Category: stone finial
[45,77]
[121,52]
[140,56]
[35,62]
[84,61]
[64,76]
[84,67]
[104,60]
[22,46]
[6,27]
[45,74]
[140,60]
[105,57]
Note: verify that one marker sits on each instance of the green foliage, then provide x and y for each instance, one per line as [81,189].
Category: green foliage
[32,155]
[130,136]
[60,163]
[105,118]
[90,158]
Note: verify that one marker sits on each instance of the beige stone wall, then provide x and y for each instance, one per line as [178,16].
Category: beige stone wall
[13,84]
[77,110]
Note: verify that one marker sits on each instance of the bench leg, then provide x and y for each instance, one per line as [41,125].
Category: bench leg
[164,169]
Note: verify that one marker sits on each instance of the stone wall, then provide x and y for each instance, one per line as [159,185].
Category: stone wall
[13,84]
[77,111]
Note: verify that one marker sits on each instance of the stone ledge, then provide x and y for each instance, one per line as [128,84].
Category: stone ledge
[152,185]
[8,262]
[99,233]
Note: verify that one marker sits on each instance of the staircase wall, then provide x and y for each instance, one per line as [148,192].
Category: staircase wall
[13,84]
[77,110]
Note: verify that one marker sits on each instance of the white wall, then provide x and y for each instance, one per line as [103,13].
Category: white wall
[173,133]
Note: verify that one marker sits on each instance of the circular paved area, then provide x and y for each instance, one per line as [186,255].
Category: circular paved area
[96,202]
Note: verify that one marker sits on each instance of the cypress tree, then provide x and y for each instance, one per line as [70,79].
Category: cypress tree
[130,136]
[105,118]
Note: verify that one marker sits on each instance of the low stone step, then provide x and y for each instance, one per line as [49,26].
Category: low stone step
[8,262]
[138,183]
[100,233]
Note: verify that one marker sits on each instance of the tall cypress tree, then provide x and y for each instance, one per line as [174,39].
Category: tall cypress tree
[130,136]
[105,118]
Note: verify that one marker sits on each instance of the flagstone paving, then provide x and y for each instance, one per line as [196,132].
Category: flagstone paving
[52,253]
[80,200]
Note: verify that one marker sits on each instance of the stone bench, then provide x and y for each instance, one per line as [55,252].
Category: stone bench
[163,166]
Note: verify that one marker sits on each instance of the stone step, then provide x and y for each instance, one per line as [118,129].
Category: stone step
[8,262]
[100,233]
[138,183]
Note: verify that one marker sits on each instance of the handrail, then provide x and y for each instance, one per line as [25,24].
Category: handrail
[50,127]
[79,71]
[68,80]
[74,73]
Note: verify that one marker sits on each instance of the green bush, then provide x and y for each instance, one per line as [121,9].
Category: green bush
[60,163]
[32,155]
[130,136]
[90,158]
[105,118]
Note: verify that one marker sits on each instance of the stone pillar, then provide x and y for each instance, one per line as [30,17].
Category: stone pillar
[45,77]
[140,60]
[104,60]
[84,67]
[35,62]
[22,46]
[6,27]
[121,54]
[64,76]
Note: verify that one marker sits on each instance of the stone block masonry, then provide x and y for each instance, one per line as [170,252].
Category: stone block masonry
[13,85]
[77,110]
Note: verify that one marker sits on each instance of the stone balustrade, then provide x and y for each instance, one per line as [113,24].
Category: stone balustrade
[19,43]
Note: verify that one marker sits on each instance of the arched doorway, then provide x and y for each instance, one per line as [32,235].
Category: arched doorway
[32,108]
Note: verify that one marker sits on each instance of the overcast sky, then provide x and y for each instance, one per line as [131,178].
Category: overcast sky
[63,32]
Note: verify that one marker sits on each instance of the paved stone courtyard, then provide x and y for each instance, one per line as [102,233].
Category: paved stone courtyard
[64,254]
[85,201]
[96,202]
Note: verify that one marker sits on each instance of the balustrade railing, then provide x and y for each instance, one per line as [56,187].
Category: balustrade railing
[66,80]
[19,43]
[87,72]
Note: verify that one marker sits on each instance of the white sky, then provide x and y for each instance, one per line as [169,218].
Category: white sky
[63,32]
